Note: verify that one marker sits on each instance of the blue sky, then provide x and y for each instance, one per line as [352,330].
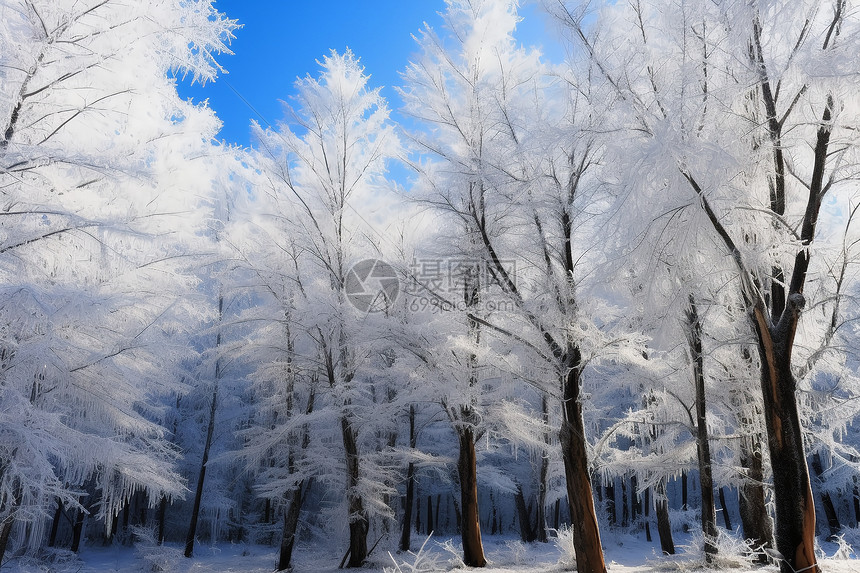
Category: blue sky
[281,40]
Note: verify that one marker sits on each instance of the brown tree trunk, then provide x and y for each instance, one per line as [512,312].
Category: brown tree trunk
[795,508]
[664,526]
[470,525]
[586,534]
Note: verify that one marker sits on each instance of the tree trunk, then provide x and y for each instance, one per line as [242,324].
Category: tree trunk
[826,501]
[625,505]
[527,533]
[795,508]
[291,524]
[418,516]
[635,499]
[210,432]
[77,531]
[684,494]
[703,446]
[430,527]
[540,513]
[406,530]
[586,534]
[664,526]
[358,525]
[5,530]
[856,505]
[726,518]
[755,518]
[55,524]
[201,476]
[647,507]
[610,502]
[162,516]
[470,526]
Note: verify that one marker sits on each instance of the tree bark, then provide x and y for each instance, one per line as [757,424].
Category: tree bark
[586,534]
[856,505]
[540,511]
[647,510]
[77,531]
[611,510]
[5,530]
[297,495]
[291,524]
[726,518]
[55,524]
[684,495]
[635,499]
[429,516]
[358,525]
[826,501]
[527,533]
[162,517]
[210,432]
[795,508]
[664,525]
[755,519]
[625,505]
[406,530]
[201,477]
[703,446]
[470,526]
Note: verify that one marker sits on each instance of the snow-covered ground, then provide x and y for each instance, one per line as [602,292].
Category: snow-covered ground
[624,554]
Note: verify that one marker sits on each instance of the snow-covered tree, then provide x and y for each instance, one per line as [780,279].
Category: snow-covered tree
[741,111]
[92,132]
[326,167]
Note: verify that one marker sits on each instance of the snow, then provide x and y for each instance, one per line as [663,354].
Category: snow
[625,553]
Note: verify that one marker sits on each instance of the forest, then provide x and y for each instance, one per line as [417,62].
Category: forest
[613,298]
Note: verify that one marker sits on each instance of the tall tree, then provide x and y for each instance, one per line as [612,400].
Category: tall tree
[330,164]
[89,280]
[512,156]
[758,175]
